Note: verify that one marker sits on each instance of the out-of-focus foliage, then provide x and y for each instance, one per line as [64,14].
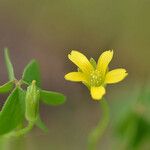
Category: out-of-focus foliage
[134,125]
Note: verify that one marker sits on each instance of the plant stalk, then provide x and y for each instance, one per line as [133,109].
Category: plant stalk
[99,130]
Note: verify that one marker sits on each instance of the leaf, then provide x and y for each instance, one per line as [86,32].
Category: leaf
[52,98]
[32,72]
[12,113]
[9,65]
[41,124]
[7,87]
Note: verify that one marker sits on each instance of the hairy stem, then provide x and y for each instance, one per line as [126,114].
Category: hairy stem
[20,132]
[24,130]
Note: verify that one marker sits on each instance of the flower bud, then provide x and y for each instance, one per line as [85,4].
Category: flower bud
[32,102]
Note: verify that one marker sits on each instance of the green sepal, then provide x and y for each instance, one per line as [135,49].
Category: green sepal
[12,113]
[32,72]
[7,87]
[52,98]
[39,123]
[93,62]
[9,65]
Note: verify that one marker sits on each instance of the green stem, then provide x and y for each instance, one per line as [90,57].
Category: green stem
[24,130]
[4,143]
[98,131]
[21,132]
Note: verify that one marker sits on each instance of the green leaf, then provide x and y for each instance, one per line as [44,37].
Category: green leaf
[9,65]
[32,72]
[52,98]
[7,87]
[12,113]
[41,124]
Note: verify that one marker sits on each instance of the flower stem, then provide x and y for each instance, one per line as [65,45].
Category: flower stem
[25,130]
[20,132]
[98,131]
[4,143]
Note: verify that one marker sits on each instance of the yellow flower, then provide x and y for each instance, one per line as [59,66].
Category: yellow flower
[95,75]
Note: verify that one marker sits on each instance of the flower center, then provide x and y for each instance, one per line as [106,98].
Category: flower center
[95,78]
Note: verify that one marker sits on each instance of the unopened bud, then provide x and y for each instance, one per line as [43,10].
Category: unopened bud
[32,102]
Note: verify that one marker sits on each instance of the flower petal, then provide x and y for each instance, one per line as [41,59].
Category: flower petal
[115,75]
[75,76]
[104,61]
[97,92]
[81,61]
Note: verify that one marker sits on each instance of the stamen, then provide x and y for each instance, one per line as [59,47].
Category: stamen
[95,78]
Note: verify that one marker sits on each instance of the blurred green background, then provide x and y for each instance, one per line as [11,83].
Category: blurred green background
[47,30]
